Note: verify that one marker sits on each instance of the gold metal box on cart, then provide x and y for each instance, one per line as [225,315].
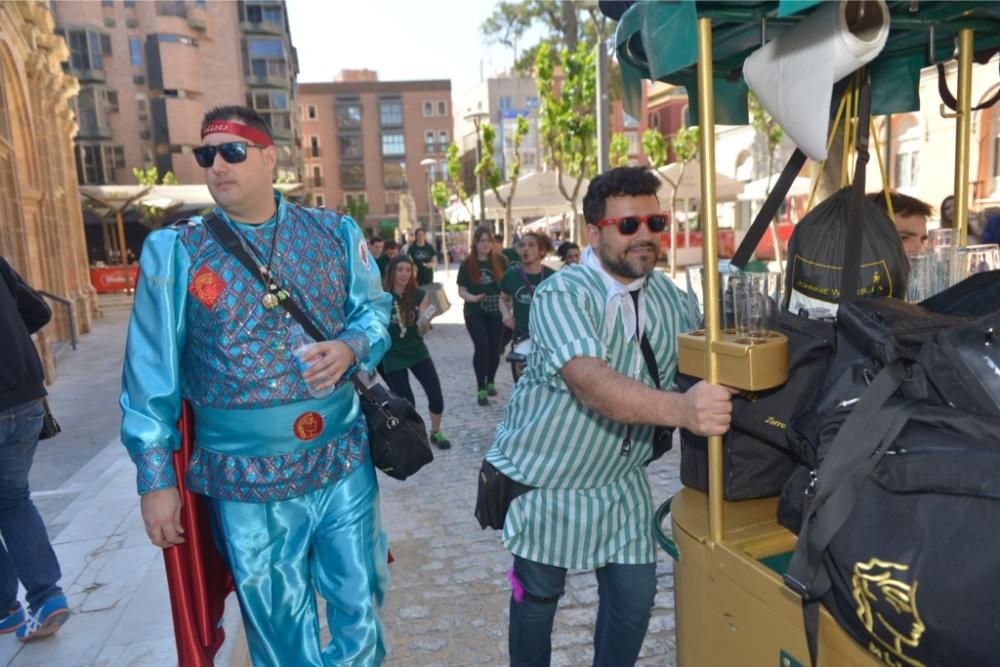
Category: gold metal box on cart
[751,364]
[732,606]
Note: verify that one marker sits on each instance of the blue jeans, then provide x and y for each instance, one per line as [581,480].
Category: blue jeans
[626,598]
[28,555]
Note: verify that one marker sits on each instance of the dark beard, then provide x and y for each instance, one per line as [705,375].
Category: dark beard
[620,265]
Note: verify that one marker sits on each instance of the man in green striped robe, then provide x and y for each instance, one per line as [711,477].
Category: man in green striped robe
[579,425]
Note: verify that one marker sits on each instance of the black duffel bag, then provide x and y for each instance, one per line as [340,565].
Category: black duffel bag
[756,458]
[898,541]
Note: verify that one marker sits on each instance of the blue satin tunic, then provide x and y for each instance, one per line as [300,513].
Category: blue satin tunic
[199,330]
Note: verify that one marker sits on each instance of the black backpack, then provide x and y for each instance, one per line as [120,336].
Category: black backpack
[904,484]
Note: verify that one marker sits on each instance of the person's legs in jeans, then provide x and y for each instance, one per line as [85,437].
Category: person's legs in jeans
[399,382]
[28,555]
[476,325]
[494,327]
[531,619]
[626,600]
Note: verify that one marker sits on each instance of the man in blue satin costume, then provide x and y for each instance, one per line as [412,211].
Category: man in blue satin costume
[289,478]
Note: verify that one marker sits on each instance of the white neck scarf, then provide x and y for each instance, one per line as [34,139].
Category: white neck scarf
[617,298]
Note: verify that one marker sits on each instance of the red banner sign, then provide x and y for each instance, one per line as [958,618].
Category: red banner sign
[114,278]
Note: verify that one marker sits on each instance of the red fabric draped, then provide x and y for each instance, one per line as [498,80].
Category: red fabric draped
[197,576]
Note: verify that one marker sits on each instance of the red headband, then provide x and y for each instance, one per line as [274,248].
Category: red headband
[239,129]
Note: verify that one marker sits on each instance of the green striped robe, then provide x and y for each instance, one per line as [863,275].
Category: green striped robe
[592,505]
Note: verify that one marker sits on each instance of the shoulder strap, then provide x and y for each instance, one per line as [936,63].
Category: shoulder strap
[647,354]
[770,209]
[850,274]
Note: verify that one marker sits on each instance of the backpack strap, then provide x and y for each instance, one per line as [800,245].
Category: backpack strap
[860,443]
[770,209]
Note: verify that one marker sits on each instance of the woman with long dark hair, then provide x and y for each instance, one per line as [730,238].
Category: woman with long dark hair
[407,351]
[479,286]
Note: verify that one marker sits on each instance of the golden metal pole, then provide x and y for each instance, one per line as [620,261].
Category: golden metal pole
[710,258]
[963,130]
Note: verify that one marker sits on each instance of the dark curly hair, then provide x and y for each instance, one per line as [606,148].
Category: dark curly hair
[618,182]
[245,115]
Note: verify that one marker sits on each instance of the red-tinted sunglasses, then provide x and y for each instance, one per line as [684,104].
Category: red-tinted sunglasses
[629,224]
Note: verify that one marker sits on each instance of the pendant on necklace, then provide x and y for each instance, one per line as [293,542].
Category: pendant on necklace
[270,301]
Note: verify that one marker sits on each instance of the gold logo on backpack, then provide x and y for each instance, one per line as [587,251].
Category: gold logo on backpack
[887,606]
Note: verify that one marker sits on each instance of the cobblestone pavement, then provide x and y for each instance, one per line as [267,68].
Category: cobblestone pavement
[449,596]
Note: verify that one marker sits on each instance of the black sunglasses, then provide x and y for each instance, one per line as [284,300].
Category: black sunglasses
[232,152]
[629,224]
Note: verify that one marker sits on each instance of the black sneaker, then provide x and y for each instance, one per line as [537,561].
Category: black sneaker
[439,441]
[481,397]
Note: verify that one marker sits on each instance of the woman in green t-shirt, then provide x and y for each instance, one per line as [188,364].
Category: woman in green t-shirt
[407,351]
[423,256]
[478,285]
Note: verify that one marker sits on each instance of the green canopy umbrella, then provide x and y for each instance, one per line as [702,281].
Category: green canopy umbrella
[658,39]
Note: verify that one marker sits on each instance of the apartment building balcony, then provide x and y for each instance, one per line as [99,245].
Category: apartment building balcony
[314,151]
[88,75]
[314,182]
[89,132]
[270,81]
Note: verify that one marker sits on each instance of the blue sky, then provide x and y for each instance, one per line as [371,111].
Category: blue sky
[401,39]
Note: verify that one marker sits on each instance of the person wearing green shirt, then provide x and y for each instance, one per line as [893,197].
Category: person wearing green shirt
[479,287]
[517,287]
[407,352]
[579,425]
[424,256]
[512,255]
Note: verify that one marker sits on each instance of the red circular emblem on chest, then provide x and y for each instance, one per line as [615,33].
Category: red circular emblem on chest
[308,426]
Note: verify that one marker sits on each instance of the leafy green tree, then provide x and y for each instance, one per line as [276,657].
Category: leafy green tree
[564,25]
[455,183]
[618,150]
[657,149]
[357,208]
[152,216]
[493,175]
[440,195]
[567,121]
[772,134]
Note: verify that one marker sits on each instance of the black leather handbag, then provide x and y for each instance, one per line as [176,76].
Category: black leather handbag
[397,436]
[50,427]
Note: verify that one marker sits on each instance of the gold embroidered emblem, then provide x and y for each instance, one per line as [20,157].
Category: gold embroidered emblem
[308,426]
[887,607]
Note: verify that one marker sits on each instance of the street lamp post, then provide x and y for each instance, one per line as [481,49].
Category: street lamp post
[428,164]
[477,117]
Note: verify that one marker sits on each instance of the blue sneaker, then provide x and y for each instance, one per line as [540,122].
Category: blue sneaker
[13,620]
[47,620]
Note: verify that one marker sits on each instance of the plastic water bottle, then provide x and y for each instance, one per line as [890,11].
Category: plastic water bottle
[425,317]
[301,344]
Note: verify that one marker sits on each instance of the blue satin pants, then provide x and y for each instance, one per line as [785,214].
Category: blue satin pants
[279,551]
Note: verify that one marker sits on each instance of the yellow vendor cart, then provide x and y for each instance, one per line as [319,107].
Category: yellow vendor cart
[732,607]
